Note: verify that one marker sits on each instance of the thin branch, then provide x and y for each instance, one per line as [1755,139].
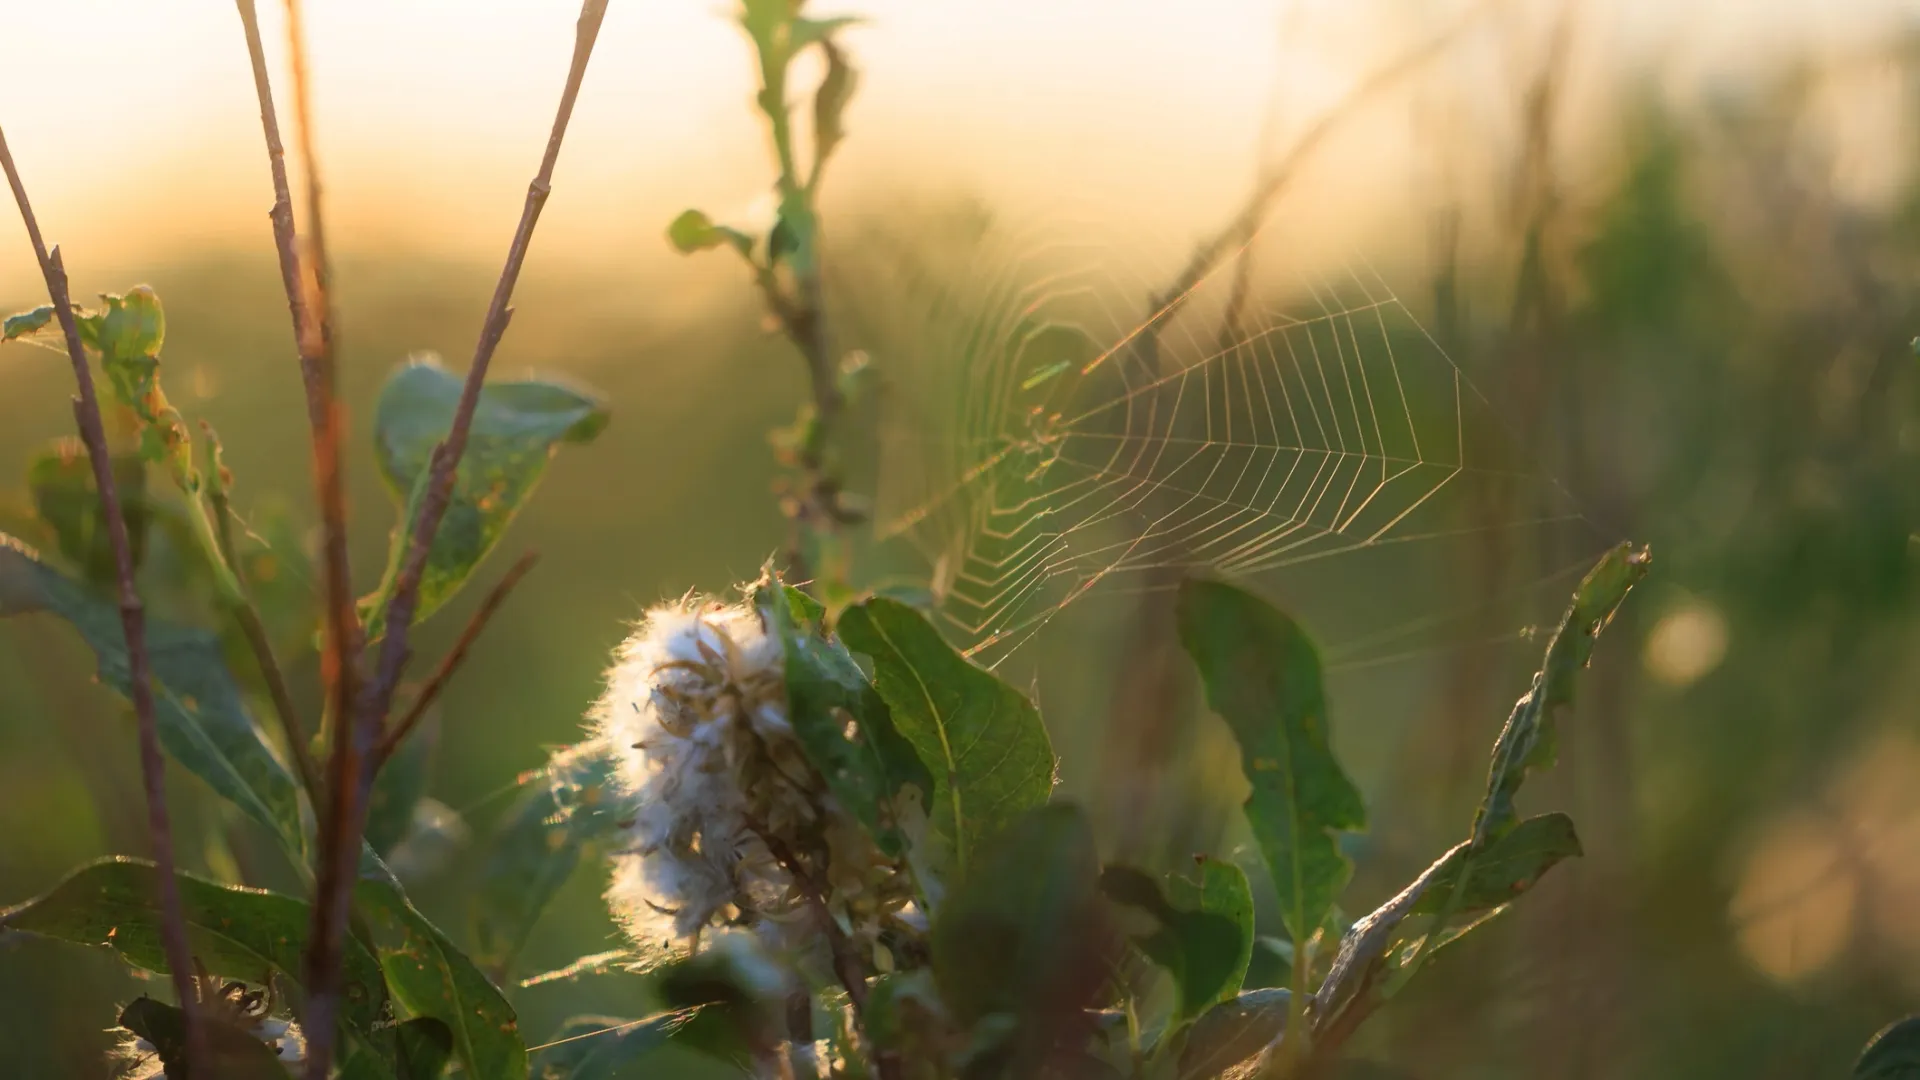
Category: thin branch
[1253,216]
[445,462]
[314,337]
[452,661]
[86,413]
[313,334]
[357,735]
[846,962]
[258,640]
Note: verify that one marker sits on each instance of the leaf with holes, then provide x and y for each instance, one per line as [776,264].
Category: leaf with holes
[517,427]
[1262,676]
[981,739]
[570,807]
[842,722]
[245,934]
[202,719]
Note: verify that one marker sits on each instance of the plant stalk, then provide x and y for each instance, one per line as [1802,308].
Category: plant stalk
[86,413]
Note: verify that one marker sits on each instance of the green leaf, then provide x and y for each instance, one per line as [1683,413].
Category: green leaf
[1503,856]
[693,231]
[1508,867]
[1233,1032]
[128,336]
[1527,740]
[1203,930]
[60,480]
[203,722]
[133,327]
[1262,676]
[1892,1054]
[429,976]
[830,103]
[236,1053]
[517,427]
[424,1046]
[570,807]
[981,738]
[237,933]
[1378,955]
[840,719]
[26,322]
[605,1048]
[1025,943]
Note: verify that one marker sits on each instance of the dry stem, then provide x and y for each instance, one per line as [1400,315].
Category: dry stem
[307,303]
[86,412]
[452,661]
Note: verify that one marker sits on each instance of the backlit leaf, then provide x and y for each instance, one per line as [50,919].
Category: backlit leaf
[429,976]
[841,721]
[1262,676]
[236,933]
[517,427]
[980,737]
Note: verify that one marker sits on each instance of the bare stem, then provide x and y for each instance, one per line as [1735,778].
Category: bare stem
[247,614]
[86,413]
[314,338]
[313,334]
[452,661]
[445,461]
[846,962]
[1273,180]
[358,733]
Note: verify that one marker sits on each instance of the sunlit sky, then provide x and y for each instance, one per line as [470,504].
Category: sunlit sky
[135,124]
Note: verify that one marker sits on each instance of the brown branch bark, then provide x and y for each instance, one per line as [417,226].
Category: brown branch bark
[361,716]
[313,334]
[452,661]
[306,303]
[445,461]
[86,413]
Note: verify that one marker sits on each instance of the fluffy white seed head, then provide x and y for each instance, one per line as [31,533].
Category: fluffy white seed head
[696,707]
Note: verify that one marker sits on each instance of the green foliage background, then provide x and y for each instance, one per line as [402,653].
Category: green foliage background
[1737,392]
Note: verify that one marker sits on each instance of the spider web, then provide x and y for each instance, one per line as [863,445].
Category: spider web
[1052,434]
